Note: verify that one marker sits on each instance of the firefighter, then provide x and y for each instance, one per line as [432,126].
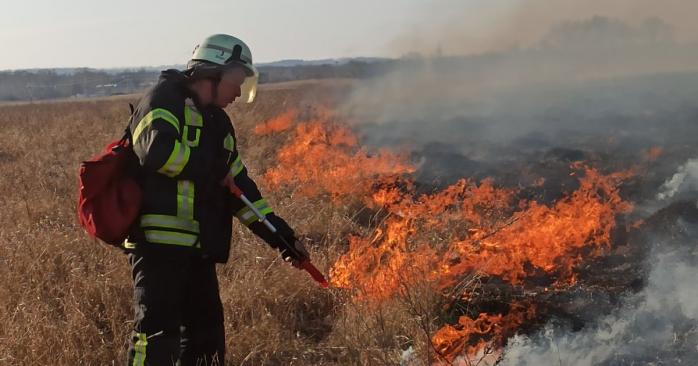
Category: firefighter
[187,151]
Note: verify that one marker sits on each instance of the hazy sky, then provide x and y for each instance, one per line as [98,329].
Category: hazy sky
[94,33]
[126,33]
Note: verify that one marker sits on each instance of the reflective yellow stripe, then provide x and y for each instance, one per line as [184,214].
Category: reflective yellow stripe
[139,350]
[157,113]
[185,199]
[195,141]
[177,161]
[197,121]
[229,143]
[247,216]
[169,222]
[236,167]
[171,238]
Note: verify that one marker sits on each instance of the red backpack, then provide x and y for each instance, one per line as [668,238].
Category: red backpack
[110,198]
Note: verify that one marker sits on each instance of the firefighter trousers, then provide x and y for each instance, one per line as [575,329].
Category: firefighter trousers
[178,311]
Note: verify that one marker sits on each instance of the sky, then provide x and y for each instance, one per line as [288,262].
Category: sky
[95,33]
[130,33]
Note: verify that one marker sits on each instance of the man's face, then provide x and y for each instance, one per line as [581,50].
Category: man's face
[229,87]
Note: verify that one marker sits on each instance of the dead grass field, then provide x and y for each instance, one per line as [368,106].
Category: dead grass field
[66,299]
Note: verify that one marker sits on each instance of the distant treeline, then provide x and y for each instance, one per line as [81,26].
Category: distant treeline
[351,69]
[80,83]
[50,84]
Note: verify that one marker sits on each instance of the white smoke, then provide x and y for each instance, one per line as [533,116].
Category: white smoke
[685,179]
[658,324]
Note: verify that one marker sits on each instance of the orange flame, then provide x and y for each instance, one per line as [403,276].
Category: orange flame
[470,337]
[546,238]
[279,123]
[443,238]
[653,153]
[470,228]
[324,158]
[407,247]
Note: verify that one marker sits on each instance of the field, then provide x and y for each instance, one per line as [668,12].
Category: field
[431,262]
[66,299]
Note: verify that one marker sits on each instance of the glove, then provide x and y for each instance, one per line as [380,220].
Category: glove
[285,231]
[295,259]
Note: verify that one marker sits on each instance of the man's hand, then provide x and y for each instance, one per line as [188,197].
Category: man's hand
[294,260]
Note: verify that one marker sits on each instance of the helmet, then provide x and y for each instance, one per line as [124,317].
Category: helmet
[219,51]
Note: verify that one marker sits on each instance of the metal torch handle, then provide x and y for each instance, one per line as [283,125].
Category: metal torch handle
[262,218]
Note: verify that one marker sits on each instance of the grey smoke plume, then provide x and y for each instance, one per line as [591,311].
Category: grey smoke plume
[586,80]
[656,326]
[685,179]
[470,27]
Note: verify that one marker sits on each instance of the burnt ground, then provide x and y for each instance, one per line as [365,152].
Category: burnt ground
[605,282]
[605,134]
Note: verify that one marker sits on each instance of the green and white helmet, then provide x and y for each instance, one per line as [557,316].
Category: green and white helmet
[219,51]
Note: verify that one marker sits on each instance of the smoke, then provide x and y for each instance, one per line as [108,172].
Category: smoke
[535,16]
[578,75]
[658,324]
[685,180]
[467,27]
[562,80]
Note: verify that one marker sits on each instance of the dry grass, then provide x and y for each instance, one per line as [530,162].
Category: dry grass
[66,299]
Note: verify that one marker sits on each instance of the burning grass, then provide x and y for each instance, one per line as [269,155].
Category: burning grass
[403,260]
[325,158]
[445,237]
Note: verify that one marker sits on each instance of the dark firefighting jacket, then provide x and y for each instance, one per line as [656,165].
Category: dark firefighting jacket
[185,151]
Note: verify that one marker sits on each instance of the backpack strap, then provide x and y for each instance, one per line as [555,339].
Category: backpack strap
[127,130]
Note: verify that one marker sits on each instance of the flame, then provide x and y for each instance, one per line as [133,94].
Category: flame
[445,238]
[653,153]
[415,234]
[471,228]
[545,238]
[277,124]
[324,158]
[471,337]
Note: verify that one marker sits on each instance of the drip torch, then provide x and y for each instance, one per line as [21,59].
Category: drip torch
[304,263]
